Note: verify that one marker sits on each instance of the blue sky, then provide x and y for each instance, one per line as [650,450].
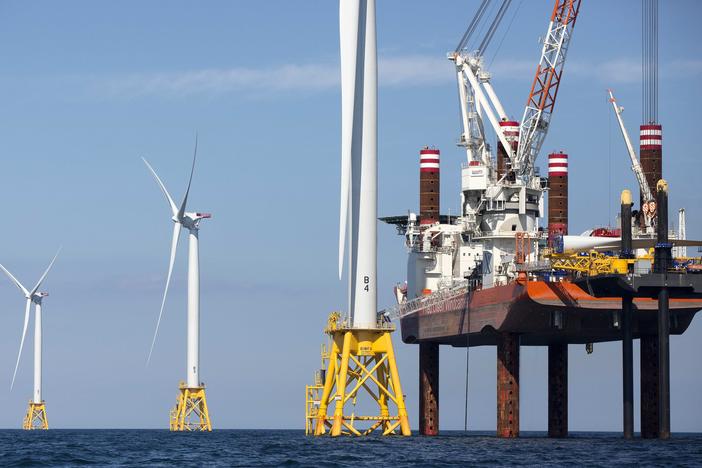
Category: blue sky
[87,88]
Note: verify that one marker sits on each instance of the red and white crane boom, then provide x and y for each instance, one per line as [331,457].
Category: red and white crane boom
[544,88]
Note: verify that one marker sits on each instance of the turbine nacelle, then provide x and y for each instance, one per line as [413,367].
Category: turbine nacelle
[38,296]
[191,220]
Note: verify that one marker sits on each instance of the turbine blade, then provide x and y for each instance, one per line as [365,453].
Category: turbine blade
[348,39]
[24,334]
[181,212]
[172,204]
[17,283]
[46,272]
[174,247]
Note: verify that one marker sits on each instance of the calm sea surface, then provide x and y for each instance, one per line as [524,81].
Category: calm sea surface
[292,448]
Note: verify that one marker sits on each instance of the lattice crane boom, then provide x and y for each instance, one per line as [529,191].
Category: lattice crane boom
[635,165]
[544,89]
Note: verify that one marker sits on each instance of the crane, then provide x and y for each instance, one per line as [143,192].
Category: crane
[478,97]
[544,89]
[649,207]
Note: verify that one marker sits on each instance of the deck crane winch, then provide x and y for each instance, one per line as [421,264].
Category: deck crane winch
[649,204]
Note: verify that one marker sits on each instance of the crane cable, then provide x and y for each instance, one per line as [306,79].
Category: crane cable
[473,25]
[649,60]
[609,165]
[493,26]
[504,36]
[475,22]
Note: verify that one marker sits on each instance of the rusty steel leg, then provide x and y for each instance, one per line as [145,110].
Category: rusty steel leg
[429,389]
[627,369]
[558,390]
[649,387]
[508,385]
[663,365]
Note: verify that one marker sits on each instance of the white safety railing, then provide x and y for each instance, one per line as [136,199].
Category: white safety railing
[409,307]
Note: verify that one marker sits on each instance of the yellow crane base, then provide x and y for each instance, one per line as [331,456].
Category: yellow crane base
[35,417]
[361,362]
[190,412]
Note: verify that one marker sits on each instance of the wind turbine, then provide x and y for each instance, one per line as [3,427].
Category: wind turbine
[191,398]
[36,413]
[363,339]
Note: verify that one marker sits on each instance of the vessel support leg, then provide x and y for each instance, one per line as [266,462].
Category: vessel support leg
[663,364]
[429,389]
[508,385]
[649,386]
[558,390]
[627,368]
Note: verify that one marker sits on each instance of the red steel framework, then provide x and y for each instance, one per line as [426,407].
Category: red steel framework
[544,88]
[547,79]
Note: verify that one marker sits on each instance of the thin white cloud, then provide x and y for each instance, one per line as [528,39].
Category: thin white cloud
[414,70]
[394,71]
[615,71]
[218,81]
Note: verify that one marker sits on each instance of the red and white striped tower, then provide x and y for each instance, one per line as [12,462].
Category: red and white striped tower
[651,151]
[651,156]
[557,352]
[429,192]
[429,185]
[511,130]
[557,194]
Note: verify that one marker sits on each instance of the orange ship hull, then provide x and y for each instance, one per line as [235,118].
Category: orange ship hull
[531,309]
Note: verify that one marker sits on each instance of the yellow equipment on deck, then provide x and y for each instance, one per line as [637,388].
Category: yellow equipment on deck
[593,264]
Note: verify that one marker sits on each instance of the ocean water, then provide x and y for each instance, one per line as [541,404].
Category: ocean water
[292,448]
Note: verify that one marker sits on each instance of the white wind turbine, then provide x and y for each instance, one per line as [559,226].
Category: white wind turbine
[191,222]
[359,136]
[362,347]
[33,297]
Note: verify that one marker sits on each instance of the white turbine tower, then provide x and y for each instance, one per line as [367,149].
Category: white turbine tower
[363,339]
[191,410]
[359,148]
[36,413]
